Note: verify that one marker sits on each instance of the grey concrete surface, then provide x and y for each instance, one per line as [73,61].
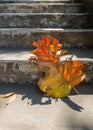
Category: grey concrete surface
[40,7]
[29,1]
[33,110]
[24,37]
[43,20]
[7,54]
[16,68]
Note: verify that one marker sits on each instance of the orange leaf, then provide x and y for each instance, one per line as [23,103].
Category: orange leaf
[35,44]
[49,49]
[72,71]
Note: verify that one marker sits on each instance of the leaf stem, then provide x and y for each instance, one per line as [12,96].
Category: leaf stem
[76,91]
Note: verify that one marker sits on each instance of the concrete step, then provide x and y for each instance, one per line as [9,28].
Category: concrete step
[31,107]
[33,1]
[43,20]
[15,67]
[23,37]
[40,8]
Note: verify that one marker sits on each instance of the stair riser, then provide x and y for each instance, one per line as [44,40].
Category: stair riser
[23,38]
[23,72]
[39,8]
[33,1]
[42,21]
[18,72]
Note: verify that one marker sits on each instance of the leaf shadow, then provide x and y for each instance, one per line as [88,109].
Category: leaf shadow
[72,105]
[35,96]
[28,91]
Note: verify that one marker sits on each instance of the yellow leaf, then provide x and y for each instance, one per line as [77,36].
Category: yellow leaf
[61,76]
[53,84]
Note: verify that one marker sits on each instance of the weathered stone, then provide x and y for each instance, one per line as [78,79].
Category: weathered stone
[88,69]
[42,20]
[21,24]
[26,72]
[29,1]
[16,68]
[23,38]
[40,8]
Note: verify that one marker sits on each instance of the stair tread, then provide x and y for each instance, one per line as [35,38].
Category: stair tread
[40,7]
[23,37]
[37,1]
[43,14]
[46,29]
[33,0]
[70,4]
[23,55]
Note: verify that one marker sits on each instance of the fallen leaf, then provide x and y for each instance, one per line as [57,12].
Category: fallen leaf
[6,95]
[53,83]
[72,71]
[47,49]
[10,99]
[60,77]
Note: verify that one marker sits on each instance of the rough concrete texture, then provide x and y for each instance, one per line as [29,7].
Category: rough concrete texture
[33,110]
[40,7]
[29,1]
[18,72]
[15,67]
[43,20]
[23,38]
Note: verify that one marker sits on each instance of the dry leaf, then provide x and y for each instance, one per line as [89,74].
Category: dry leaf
[6,95]
[61,76]
[11,99]
[53,84]
[72,71]
[47,49]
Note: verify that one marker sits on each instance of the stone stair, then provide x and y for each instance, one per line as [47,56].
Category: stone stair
[41,8]
[25,21]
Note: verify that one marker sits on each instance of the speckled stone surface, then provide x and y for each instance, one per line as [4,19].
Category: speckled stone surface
[18,72]
[23,38]
[16,68]
[40,7]
[26,72]
[29,1]
[42,20]
[23,23]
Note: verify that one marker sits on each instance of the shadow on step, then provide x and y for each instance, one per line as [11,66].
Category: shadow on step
[84,89]
[32,92]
